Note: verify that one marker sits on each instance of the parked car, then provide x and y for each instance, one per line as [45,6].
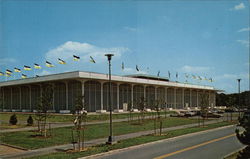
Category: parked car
[190,113]
[178,114]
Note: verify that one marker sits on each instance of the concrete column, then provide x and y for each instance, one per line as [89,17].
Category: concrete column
[53,104]
[132,96]
[30,97]
[155,92]
[67,94]
[144,91]
[175,98]
[11,99]
[101,95]
[209,99]
[82,82]
[183,98]
[190,100]
[118,97]
[20,98]
[166,96]
[197,98]
[214,98]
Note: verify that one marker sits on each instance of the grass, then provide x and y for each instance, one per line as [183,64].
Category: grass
[63,135]
[232,156]
[128,142]
[22,117]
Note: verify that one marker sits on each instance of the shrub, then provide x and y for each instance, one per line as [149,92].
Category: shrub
[30,121]
[13,119]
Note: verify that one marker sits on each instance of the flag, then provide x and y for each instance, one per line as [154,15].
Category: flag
[48,64]
[91,59]
[27,68]
[158,74]
[76,58]
[122,66]
[60,61]
[169,74]
[17,69]
[136,67]
[176,75]
[24,76]
[36,66]
[1,73]
[9,72]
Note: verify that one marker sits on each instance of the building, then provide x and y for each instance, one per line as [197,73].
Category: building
[22,94]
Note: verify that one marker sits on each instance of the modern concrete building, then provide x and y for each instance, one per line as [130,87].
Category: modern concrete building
[22,94]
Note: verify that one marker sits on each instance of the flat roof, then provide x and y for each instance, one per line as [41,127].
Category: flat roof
[144,76]
[83,76]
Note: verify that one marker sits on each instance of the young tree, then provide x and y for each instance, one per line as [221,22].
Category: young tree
[204,107]
[44,104]
[141,107]
[244,137]
[80,117]
[158,120]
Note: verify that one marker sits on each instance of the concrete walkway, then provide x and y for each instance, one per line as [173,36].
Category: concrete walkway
[52,149]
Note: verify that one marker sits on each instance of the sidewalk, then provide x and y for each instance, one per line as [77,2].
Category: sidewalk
[52,149]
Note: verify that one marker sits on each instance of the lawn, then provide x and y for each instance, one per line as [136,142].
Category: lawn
[128,142]
[63,135]
[22,117]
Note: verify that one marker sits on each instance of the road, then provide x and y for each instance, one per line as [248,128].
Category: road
[206,145]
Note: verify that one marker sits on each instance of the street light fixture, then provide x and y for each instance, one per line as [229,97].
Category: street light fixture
[110,139]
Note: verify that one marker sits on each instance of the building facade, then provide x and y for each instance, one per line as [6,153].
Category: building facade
[126,92]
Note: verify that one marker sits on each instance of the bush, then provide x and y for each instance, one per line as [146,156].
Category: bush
[30,121]
[13,119]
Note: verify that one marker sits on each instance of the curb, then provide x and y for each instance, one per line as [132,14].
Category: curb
[234,152]
[154,142]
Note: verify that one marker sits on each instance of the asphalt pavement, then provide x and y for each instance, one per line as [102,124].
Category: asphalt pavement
[212,144]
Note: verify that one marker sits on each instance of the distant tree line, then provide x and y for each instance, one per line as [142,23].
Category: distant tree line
[233,99]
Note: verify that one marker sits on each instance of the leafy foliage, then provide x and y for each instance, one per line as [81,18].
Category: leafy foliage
[244,137]
[13,119]
[233,99]
[30,121]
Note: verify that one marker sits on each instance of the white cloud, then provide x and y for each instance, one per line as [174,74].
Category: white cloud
[232,76]
[6,61]
[133,71]
[239,7]
[244,42]
[84,50]
[130,29]
[244,29]
[195,69]
[44,72]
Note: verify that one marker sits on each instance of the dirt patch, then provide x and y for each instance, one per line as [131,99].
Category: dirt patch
[5,150]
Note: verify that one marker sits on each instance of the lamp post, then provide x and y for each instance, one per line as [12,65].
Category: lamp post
[239,94]
[110,139]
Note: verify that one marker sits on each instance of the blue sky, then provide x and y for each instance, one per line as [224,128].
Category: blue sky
[203,38]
